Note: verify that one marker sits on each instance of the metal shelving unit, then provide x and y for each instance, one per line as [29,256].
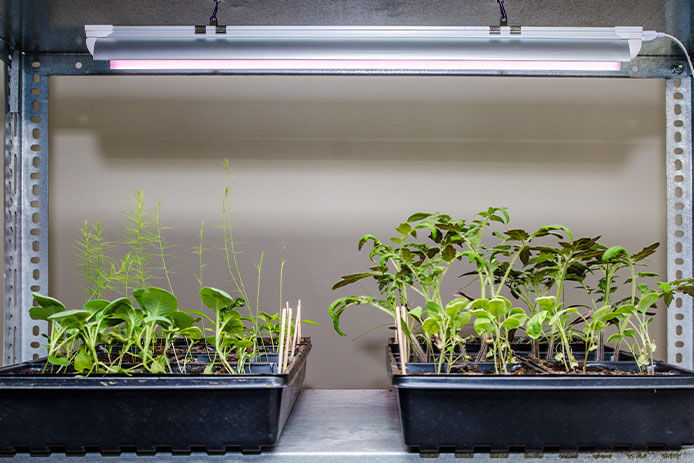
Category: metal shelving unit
[45,38]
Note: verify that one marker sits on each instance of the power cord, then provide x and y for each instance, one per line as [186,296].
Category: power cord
[652,35]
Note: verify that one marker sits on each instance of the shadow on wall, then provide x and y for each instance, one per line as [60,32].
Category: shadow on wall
[547,134]
[320,161]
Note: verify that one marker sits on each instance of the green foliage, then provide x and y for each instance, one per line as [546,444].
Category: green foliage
[534,267]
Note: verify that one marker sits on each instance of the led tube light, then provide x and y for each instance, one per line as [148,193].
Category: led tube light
[353,48]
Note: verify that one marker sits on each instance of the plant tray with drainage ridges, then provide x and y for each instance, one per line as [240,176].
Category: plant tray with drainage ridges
[146,413]
[544,412]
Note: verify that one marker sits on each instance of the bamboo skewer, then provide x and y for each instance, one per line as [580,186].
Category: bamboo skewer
[401,338]
[288,339]
[406,318]
[281,344]
[297,326]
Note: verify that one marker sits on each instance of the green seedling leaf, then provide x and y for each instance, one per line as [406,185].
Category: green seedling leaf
[613,252]
[77,313]
[404,229]
[156,318]
[434,307]
[62,361]
[416,312]
[431,326]
[83,362]
[456,305]
[417,216]
[630,333]
[615,337]
[461,320]
[498,307]
[209,369]
[349,279]
[448,253]
[47,306]
[646,301]
[513,323]
[310,322]
[95,305]
[45,301]
[158,302]
[479,304]
[192,332]
[548,303]
[182,320]
[483,325]
[215,299]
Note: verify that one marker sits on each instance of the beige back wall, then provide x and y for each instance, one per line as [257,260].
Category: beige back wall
[319,161]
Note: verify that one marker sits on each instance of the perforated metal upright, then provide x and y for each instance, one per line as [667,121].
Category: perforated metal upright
[26,207]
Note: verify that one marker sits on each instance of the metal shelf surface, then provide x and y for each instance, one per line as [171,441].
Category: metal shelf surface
[350,426]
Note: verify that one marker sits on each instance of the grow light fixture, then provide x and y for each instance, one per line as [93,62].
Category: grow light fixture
[344,49]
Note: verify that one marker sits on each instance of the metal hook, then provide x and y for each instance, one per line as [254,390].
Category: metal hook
[503,21]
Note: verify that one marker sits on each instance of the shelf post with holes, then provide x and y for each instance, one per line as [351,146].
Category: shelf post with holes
[26,206]
[678,156]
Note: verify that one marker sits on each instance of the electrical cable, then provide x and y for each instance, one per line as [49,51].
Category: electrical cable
[213,18]
[651,35]
[503,20]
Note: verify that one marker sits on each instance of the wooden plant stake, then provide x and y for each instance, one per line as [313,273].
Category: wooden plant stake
[401,338]
[288,338]
[297,328]
[280,347]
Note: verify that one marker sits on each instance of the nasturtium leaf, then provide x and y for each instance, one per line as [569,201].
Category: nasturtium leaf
[431,326]
[613,252]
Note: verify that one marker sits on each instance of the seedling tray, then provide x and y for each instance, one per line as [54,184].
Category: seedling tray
[544,412]
[147,413]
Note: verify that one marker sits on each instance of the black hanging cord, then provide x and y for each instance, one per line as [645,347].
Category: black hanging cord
[503,21]
[213,18]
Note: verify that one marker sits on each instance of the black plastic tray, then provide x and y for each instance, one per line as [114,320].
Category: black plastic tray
[544,412]
[146,413]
